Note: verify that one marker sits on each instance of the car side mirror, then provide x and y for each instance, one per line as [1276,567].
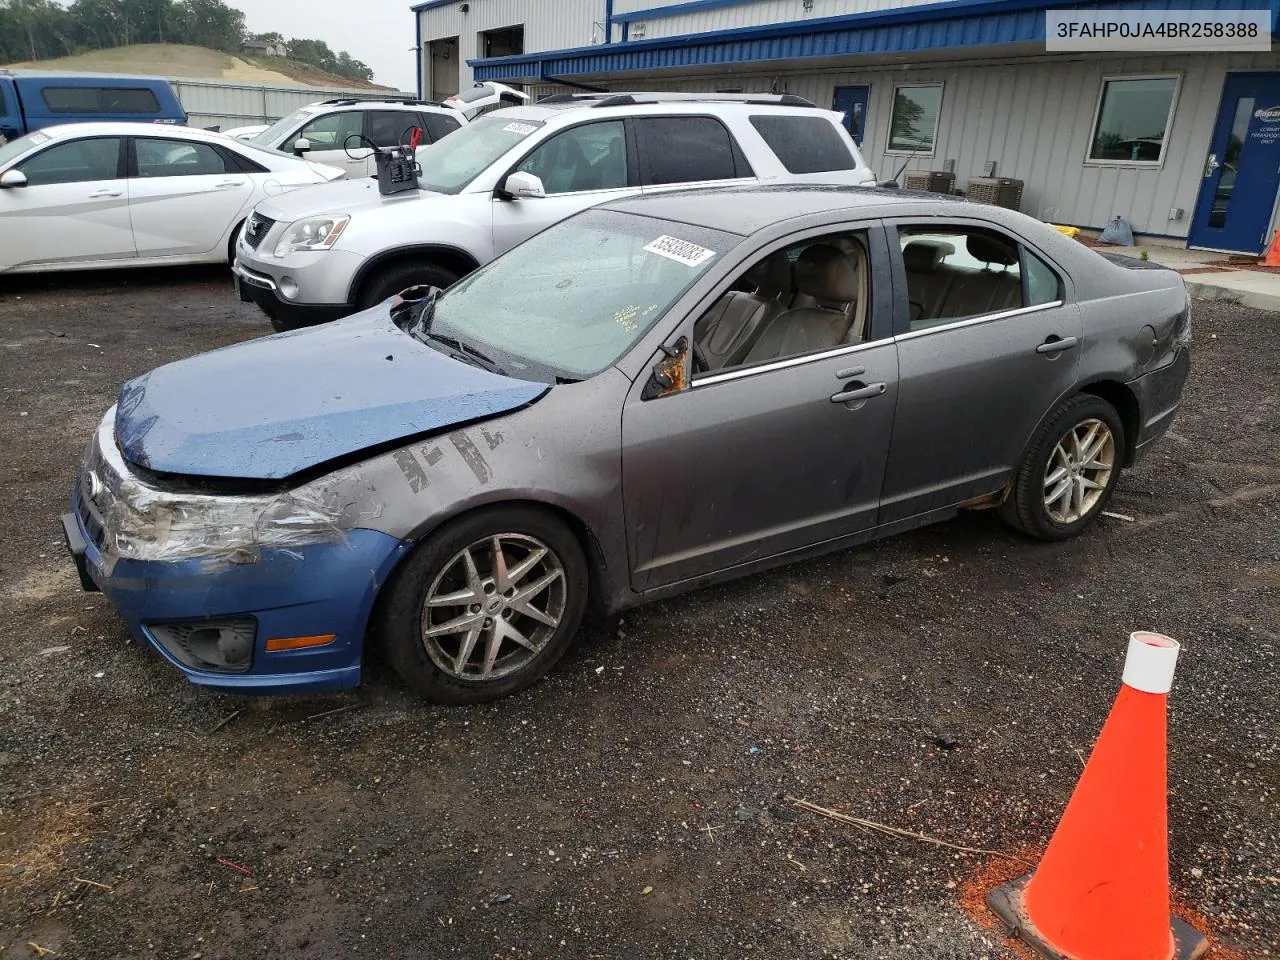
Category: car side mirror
[13,178]
[301,145]
[524,186]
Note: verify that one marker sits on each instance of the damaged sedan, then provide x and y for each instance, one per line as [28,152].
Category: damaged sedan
[653,395]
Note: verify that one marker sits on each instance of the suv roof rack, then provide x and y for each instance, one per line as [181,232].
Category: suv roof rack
[629,99]
[348,101]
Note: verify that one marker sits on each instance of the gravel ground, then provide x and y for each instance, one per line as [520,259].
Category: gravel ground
[634,804]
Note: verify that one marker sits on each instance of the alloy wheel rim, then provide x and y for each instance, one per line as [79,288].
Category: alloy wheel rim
[494,607]
[1078,471]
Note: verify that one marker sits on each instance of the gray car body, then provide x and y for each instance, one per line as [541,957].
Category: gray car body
[737,473]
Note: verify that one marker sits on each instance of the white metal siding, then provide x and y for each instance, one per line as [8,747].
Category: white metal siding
[217,103]
[749,14]
[1034,119]
[548,25]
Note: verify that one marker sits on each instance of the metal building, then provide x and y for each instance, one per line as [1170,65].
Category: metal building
[1186,146]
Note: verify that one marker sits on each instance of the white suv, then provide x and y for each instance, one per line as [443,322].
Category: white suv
[338,132]
[319,254]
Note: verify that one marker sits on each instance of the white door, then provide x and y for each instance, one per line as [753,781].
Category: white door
[580,167]
[184,198]
[75,206]
[337,139]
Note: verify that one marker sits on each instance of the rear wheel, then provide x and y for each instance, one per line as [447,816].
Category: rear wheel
[391,280]
[486,606]
[1069,472]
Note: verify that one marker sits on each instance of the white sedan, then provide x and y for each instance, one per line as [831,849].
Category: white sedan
[93,195]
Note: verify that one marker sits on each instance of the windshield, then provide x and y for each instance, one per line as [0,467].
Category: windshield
[571,301]
[278,130]
[16,148]
[452,163]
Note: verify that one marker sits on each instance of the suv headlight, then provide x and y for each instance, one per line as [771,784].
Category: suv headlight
[313,233]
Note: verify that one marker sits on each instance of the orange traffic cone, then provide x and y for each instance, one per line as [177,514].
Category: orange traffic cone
[1101,891]
[1272,257]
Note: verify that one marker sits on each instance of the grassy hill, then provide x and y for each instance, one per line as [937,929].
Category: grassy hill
[176,60]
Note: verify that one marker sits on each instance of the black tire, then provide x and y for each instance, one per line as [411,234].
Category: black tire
[398,620]
[231,244]
[391,280]
[1025,508]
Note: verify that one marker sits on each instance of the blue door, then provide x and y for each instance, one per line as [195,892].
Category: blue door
[1242,171]
[852,102]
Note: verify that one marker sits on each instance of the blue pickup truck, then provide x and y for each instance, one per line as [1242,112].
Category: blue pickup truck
[30,102]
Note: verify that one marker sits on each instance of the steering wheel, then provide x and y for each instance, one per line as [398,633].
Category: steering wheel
[700,364]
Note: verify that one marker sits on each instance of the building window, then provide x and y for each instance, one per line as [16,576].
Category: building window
[1134,114]
[506,42]
[913,125]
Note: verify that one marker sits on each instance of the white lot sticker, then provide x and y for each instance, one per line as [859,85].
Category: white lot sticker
[524,129]
[681,251]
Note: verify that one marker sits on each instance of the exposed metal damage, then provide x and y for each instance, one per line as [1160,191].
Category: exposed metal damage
[134,520]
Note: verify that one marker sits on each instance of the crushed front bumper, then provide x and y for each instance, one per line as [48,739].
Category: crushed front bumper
[305,591]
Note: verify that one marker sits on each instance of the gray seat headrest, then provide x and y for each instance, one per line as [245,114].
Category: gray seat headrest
[827,273]
[772,275]
[988,250]
[923,256]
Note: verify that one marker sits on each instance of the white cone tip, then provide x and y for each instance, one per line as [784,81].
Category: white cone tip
[1150,662]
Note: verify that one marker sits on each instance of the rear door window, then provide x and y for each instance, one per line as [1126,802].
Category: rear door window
[688,150]
[805,144]
[390,128]
[176,158]
[954,273]
[439,125]
[100,100]
[80,161]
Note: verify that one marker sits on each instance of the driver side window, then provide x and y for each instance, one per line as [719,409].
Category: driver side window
[592,156]
[807,298]
[331,132]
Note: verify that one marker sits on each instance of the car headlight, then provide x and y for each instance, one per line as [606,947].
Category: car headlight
[313,233]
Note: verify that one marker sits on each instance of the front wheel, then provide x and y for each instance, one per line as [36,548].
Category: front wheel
[1069,472]
[393,279]
[486,606]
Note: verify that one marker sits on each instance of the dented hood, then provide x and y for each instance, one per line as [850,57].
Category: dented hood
[270,408]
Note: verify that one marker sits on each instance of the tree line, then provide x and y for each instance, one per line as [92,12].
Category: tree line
[44,29]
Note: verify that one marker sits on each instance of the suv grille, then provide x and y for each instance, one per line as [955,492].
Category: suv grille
[256,230]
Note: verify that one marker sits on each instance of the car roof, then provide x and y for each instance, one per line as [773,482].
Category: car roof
[125,128]
[544,110]
[413,106]
[744,210]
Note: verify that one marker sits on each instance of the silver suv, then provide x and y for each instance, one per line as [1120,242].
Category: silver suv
[339,132]
[319,254]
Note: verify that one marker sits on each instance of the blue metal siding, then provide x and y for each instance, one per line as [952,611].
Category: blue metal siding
[934,26]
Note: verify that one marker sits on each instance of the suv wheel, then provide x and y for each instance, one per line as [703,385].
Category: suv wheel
[485,606]
[391,280]
[1069,472]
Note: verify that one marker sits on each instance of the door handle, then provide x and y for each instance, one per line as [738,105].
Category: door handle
[1211,165]
[99,194]
[228,184]
[1055,345]
[860,393]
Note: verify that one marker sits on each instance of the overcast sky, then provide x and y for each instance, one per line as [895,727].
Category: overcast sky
[379,32]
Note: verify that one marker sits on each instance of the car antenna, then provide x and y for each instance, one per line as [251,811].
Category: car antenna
[910,156]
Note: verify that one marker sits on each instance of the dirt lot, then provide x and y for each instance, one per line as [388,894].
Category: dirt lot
[634,804]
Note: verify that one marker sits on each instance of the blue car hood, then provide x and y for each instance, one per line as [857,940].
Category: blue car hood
[271,408]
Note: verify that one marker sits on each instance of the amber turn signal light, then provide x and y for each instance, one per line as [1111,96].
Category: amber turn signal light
[299,643]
